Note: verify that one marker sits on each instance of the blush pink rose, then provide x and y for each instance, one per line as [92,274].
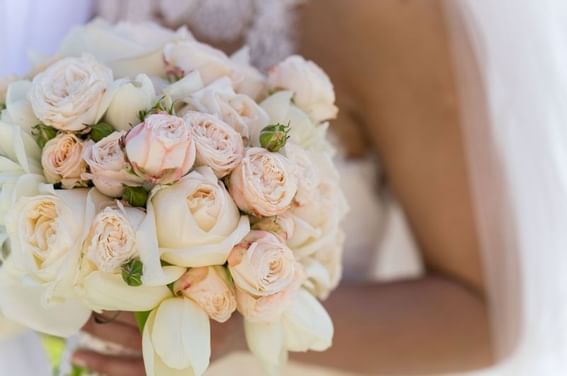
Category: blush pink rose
[161,149]
[62,160]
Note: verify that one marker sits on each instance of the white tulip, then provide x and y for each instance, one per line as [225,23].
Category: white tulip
[266,341]
[307,325]
[197,222]
[19,153]
[128,100]
[247,79]
[18,108]
[177,339]
[71,94]
[127,48]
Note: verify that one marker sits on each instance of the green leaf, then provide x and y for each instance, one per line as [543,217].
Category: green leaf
[135,196]
[141,319]
[274,137]
[132,272]
[78,371]
[100,131]
[43,133]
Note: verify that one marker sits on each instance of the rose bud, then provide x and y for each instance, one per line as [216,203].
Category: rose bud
[264,184]
[218,145]
[161,149]
[109,169]
[274,137]
[262,264]
[211,288]
[62,160]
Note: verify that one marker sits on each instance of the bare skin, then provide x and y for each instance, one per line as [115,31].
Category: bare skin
[390,63]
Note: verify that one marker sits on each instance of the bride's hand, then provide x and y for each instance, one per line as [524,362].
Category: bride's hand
[115,328]
[122,329]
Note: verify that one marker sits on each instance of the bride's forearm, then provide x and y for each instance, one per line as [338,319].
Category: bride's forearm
[431,325]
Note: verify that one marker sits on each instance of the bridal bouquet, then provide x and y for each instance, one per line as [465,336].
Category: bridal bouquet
[144,171]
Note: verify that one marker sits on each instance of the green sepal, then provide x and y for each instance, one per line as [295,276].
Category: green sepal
[43,133]
[132,272]
[100,131]
[135,196]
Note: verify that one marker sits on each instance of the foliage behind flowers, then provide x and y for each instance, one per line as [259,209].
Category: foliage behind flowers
[159,176]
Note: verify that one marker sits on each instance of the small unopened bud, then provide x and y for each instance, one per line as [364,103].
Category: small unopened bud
[274,136]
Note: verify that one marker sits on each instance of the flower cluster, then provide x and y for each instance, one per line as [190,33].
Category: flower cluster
[175,182]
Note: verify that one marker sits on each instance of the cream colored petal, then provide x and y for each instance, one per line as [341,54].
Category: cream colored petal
[205,255]
[266,342]
[18,108]
[22,304]
[106,291]
[181,335]
[307,325]
[184,87]
[128,101]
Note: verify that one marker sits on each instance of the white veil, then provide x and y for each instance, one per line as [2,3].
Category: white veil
[514,110]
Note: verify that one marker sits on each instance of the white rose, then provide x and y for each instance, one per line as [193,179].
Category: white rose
[114,238]
[324,267]
[109,169]
[62,160]
[304,132]
[262,264]
[161,149]
[45,231]
[317,222]
[264,184]
[239,111]
[197,221]
[312,88]
[71,94]
[128,100]
[127,48]
[211,288]
[218,145]
[247,79]
[184,57]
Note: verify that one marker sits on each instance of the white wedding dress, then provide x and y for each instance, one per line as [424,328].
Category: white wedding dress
[516,153]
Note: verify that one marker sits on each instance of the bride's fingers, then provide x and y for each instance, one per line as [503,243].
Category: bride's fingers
[109,365]
[115,332]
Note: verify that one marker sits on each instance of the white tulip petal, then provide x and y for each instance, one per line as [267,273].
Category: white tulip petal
[210,254]
[147,243]
[184,87]
[307,325]
[18,108]
[181,335]
[106,291]
[131,98]
[22,304]
[266,342]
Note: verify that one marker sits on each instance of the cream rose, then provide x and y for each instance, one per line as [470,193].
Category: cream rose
[62,160]
[197,221]
[111,241]
[239,111]
[70,94]
[218,145]
[264,184]
[211,288]
[312,88]
[116,236]
[184,57]
[161,149]
[109,169]
[271,307]
[262,264]
[281,225]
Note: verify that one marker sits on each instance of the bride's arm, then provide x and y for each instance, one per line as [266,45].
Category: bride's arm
[428,326]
